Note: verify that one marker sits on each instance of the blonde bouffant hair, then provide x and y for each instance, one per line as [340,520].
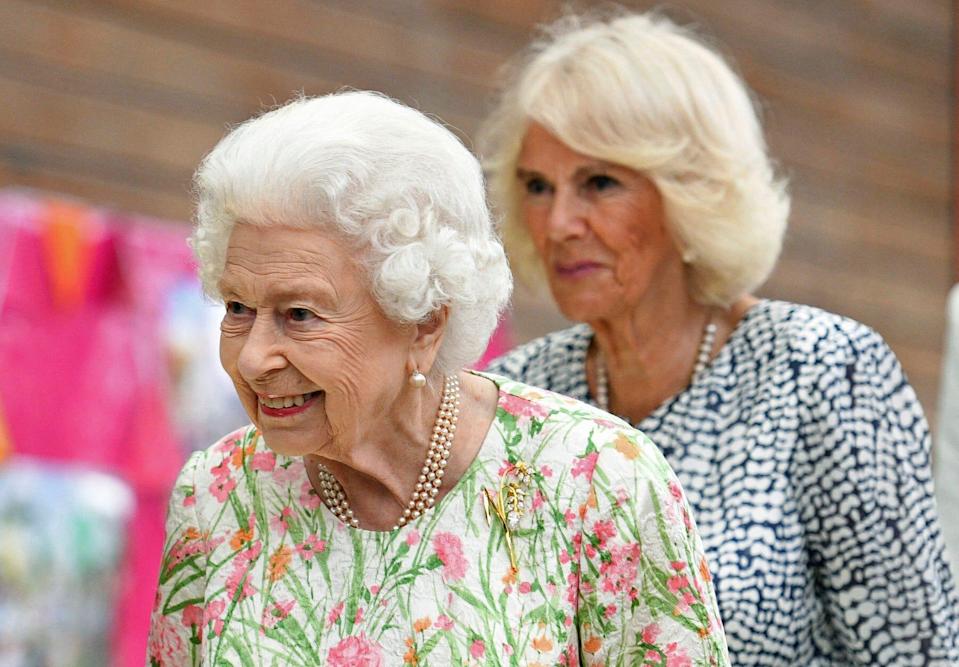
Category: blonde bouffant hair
[641,91]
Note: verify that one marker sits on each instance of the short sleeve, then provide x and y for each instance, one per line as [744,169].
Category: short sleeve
[863,474]
[646,593]
[176,624]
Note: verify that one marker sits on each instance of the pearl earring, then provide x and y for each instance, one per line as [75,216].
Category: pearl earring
[417,380]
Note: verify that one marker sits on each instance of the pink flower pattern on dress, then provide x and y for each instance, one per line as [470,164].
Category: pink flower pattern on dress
[276,612]
[213,614]
[520,407]
[192,615]
[619,572]
[335,613]
[477,649]
[279,522]
[585,466]
[289,473]
[309,547]
[309,498]
[449,549]
[676,656]
[221,487]
[358,651]
[167,647]
[265,461]
[604,530]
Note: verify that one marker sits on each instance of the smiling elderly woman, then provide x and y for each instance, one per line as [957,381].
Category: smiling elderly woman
[387,507]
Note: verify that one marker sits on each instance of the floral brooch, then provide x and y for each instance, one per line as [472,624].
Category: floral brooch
[508,502]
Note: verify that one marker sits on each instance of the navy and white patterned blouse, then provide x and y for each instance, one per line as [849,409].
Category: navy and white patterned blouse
[805,455]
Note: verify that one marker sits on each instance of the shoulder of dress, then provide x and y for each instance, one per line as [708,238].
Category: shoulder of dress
[242,442]
[519,402]
[819,336]
[589,426]
[245,436]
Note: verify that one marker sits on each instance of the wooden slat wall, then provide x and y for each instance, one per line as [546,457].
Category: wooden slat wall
[116,101]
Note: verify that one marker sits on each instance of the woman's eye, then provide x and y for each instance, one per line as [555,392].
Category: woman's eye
[601,182]
[300,314]
[236,308]
[536,186]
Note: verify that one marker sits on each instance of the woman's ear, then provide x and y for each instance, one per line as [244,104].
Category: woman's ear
[428,337]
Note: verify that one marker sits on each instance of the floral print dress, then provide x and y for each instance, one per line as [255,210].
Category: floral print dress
[609,569]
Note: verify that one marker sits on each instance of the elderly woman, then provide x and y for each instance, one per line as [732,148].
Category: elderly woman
[631,167]
[387,507]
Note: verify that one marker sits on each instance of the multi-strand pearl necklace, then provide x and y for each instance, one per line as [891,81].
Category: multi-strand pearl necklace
[702,359]
[431,476]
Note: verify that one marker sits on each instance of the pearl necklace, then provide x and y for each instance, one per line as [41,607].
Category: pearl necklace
[702,358]
[431,476]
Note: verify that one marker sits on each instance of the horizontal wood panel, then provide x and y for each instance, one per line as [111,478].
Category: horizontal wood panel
[25,154]
[928,216]
[894,41]
[870,111]
[856,177]
[833,42]
[918,29]
[296,52]
[156,72]
[850,152]
[898,310]
[106,127]
[901,240]
[363,39]
[520,15]
[101,190]
[435,19]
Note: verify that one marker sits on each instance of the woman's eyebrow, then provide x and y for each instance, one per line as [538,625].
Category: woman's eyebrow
[313,290]
[226,287]
[582,170]
[527,173]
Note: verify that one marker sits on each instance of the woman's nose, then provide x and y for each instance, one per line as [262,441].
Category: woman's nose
[262,350]
[567,217]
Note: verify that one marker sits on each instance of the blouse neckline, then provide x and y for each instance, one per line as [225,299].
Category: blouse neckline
[722,357]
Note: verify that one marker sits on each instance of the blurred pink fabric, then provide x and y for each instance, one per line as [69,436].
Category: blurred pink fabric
[500,343]
[86,380]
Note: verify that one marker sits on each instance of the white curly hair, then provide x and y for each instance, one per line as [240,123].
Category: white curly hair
[640,91]
[396,185]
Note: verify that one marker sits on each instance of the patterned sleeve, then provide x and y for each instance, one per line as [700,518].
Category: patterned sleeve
[865,482]
[177,620]
[646,595]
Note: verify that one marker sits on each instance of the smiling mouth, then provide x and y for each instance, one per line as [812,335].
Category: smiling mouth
[284,406]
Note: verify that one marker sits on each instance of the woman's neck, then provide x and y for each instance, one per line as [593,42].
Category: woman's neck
[650,353]
[379,471]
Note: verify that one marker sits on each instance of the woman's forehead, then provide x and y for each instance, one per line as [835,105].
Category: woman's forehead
[286,262]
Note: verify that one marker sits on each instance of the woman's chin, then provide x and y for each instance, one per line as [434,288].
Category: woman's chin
[582,305]
[284,445]
[583,310]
